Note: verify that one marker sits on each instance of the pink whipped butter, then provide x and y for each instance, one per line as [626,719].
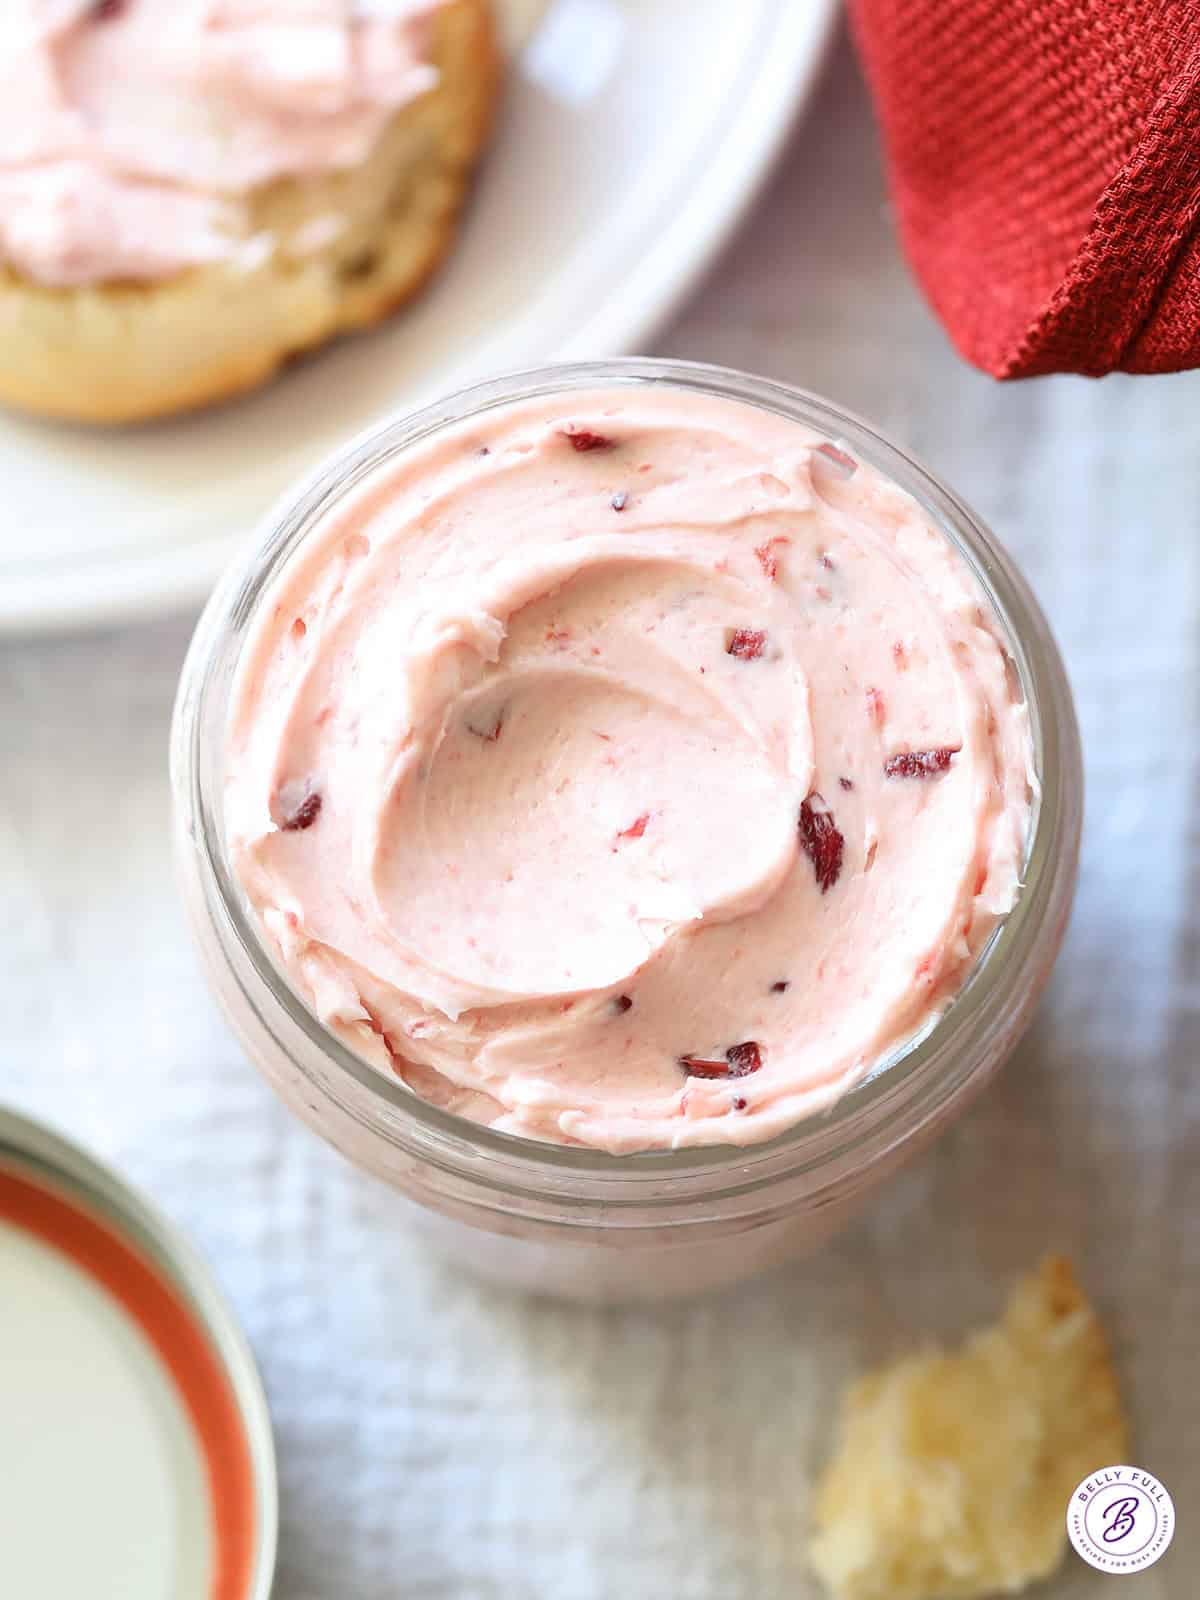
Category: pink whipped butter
[129,129]
[627,769]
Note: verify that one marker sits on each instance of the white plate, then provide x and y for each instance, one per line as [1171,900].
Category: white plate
[633,135]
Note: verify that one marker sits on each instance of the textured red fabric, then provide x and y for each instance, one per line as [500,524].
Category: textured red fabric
[1045,165]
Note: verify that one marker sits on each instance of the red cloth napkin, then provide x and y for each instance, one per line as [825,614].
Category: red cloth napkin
[1045,164]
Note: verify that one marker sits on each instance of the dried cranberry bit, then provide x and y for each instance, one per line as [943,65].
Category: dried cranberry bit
[583,439]
[620,501]
[767,559]
[846,784]
[701,1067]
[781,986]
[739,1102]
[821,841]
[920,763]
[107,10]
[622,1002]
[636,829]
[740,1060]
[747,644]
[743,1059]
[305,814]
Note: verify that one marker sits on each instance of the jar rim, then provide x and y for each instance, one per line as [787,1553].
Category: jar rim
[902,1091]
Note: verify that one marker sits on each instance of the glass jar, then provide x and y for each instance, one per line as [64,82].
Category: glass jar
[578,1222]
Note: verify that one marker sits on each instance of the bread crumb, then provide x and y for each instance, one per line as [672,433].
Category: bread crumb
[954,1471]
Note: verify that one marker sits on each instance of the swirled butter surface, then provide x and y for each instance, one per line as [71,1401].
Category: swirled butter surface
[627,768]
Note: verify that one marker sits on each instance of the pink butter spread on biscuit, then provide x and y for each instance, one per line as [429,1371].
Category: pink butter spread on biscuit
[129,129]
[613,833]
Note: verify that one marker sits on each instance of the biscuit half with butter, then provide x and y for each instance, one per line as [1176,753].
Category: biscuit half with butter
[318,254]
[954,1471]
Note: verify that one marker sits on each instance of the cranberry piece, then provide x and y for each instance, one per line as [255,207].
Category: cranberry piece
[635,830]
[920,763]
[747,644]
[767,559]
[740,1102]
[305,814]
[821,841]
[740,1060]
[743,1059]
[700,1067]
[780,986]
[107,10]
[583,439]
[622,1002]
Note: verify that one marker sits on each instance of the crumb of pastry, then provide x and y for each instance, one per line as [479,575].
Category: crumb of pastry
[953,1471]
